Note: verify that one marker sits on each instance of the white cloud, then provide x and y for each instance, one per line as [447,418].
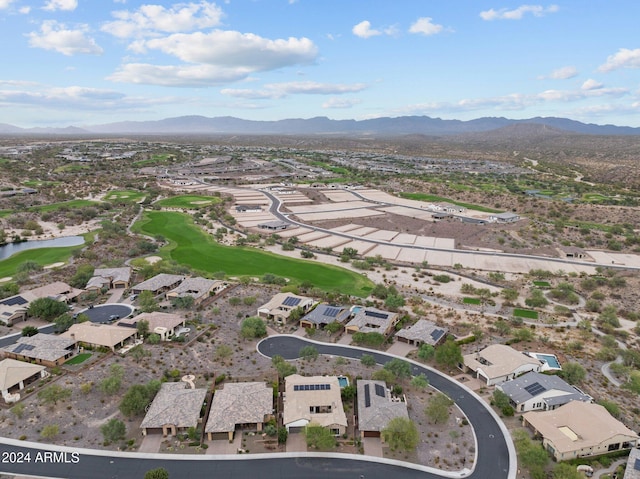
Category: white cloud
[57,37]
[518,13]
[177,75]
[68,5]
[564,73]
[25,10]
[364,30]
[75,97]
[154,19]
[591,84]
[624,58]
[236,50]
[340,103]
[425,26]
[281,90]
[5,4]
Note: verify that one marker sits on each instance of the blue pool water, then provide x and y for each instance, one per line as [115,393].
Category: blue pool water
[343,381]
[550,359]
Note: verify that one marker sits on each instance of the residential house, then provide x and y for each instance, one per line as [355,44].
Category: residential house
[377,406]
[110,278]
[536,391]
[46,349]
[280,306]
[248,208]
[16,375]
[579,429]
[633,465]
[239,405]
[506,217]
[324,314]
[498,363]
[198,288]
[160,283]
[573,252]
[15,308]
[99,335]
[274,225]
[175,408]
[313,399]
[422,332]
[163,324]
[371,320]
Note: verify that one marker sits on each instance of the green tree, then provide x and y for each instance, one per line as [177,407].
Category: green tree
[158,473]
[394,302]
[137,398]
[319,437]
[333,328]
[420,381]
[143,328]
[283,434]
[348,392]
[384,375]
[53,394]
[531,454]
[510,294]
[29,267]
[29,331]
[110,385]
[609,316]
[501,401]
[401,434]
[63,322]
[573,373]
[82,276]
[368,360]
[223,351]
[437,409]
[113,430]
[46,308]
[399,368]
[426,352]
[566,471]
[253,327]
[147,302]
[448,354]
[308,353]
[183,302]
[537,299]
[283,367]
[372,340]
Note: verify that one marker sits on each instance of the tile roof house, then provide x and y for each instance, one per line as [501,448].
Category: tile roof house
[239,404]
[15,308]
[111,278]
[198,288]
[536,391]
[163,324]
[376,407]
[422,332]
[324,314]
[313,399]
[175,408]
[160,283]
[280,306]
[498,363]
[633,465]
[105,335]
[371,320]
[579,429]
[16,375]
[46,349]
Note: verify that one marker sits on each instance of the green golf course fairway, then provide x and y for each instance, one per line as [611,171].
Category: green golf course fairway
[189,245]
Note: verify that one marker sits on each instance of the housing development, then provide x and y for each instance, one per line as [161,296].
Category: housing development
[208,297]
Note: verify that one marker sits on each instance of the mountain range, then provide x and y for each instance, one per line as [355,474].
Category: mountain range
[380,127]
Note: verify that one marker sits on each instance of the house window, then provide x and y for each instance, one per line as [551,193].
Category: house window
[614,447]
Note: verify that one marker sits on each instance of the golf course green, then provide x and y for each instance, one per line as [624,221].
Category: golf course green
[190,246]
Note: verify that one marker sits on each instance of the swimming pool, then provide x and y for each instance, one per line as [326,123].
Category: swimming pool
[550,360]
[343,381]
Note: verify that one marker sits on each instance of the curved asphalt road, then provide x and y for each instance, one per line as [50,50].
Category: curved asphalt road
[496,457]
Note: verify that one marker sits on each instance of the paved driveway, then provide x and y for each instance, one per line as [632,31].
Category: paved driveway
[296,443]
[401,349]
[372,446]
[151,443]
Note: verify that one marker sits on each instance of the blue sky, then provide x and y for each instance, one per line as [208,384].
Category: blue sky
[81,62]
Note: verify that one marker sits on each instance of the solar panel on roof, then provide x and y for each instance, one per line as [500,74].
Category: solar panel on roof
[291,301]
[22,347]
[379,390]
[436,334]
[375,314]
[367,396]
[535,389]
[636,466]
[16,300]
[331,312]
